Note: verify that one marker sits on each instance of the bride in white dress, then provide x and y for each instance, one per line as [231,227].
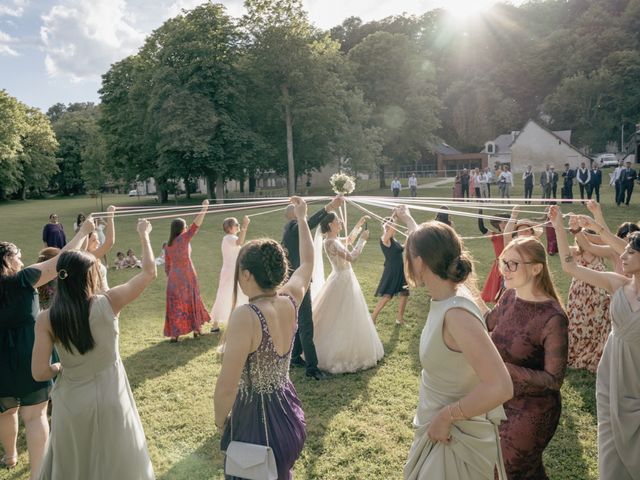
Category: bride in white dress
[231,244]
[345,337]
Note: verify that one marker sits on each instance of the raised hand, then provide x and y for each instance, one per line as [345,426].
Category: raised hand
[205,203]
[401,212]
[144,227]
[363,220]
[593,207]
[555,215]
[245,222]
[110,211]
[300,207]
[334,203]
[574,223]
[365,235]
[88,226]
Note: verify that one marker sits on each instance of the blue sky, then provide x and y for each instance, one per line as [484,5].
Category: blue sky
[55,50]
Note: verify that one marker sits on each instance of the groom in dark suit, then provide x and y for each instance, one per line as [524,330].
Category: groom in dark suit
[304,336]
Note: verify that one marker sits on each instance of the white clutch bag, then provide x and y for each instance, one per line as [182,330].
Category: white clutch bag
[251,461]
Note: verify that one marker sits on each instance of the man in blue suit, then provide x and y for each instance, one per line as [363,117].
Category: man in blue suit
[594,182]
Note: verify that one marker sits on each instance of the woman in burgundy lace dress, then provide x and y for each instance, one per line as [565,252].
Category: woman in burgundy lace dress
[529,328]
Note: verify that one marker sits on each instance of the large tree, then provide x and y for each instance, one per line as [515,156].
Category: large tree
[12,126]
[38,162]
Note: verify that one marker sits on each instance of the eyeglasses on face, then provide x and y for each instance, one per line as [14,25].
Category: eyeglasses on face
[512,265]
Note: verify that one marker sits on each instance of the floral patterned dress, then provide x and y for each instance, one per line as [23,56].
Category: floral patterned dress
[531,338]
[589,322]
[185,310]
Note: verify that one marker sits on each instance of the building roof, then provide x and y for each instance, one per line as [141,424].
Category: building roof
[503,142]
[563,134]
[445,149]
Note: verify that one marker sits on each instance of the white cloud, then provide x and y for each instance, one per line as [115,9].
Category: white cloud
[81,39]
[5,48]
[14,8]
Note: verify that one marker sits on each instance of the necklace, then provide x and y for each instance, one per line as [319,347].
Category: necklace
[263,295]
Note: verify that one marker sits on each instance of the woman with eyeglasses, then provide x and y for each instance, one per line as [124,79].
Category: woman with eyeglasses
[529,328]
[19,391]
[231,244]
[617,385]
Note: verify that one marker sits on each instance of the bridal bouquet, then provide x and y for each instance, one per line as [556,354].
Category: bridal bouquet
[342,184]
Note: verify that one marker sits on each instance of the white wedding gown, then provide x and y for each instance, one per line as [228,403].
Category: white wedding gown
[224,297]
[345,337]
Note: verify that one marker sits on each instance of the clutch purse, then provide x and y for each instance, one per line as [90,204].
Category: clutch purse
[251,461]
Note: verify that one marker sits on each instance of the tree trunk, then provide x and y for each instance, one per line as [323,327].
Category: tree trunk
[161,190]
[211,186]
[381,174]
[252,183]
[291,178]
[220,190]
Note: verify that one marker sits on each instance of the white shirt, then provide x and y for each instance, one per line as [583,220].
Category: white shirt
[616,175]
[480,178]
[413,181]
[396,184]
[508,177]
[581,171]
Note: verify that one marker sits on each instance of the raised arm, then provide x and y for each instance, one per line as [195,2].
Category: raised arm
[298,283]
[511,224]
[357,229]
[402,213]
[243,231]
[336,248]
[109,234]
[314,220]
[584,242]
[48,267]
[465,333]
[126,293]
[607,280]
[200,217]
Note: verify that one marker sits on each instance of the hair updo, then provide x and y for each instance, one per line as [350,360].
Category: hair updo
[440,249]
[326,220]
[266,260]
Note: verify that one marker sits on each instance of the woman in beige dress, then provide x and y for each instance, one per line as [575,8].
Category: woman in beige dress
[617,385]
[96,432]
[463,381]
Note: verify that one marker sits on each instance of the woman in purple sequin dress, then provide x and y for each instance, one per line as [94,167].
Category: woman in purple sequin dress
[255,401]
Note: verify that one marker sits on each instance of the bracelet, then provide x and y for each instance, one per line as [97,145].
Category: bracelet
[450,414]
[460,408]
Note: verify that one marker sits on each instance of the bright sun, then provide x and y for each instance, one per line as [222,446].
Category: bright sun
[466,8]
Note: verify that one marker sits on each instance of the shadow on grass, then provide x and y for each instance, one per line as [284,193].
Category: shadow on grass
[198,463]
[584,382]
[164,357]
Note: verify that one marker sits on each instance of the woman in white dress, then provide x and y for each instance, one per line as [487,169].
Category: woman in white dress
[343,331]
[231,244]
[96,431]
[99,249]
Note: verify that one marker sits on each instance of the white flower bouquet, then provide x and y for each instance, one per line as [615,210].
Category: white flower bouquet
[342,184]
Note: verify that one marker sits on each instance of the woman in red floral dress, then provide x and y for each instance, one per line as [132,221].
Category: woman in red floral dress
[185,310]
[529,329]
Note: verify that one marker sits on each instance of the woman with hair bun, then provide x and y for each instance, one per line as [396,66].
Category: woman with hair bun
[96,431]
[529,328]
[343,331]
[255,401]
[463,381]
[231,244]
[20,392]
[185,311]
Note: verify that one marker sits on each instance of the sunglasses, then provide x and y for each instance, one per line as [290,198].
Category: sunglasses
[512,265]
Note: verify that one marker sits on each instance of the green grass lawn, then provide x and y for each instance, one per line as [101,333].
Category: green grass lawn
[359,425]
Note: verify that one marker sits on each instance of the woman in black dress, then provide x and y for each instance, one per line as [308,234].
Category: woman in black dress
[392,282]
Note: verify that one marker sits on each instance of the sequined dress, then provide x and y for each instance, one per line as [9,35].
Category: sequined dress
[265,387]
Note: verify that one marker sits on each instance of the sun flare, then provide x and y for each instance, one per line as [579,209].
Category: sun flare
[466,8]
